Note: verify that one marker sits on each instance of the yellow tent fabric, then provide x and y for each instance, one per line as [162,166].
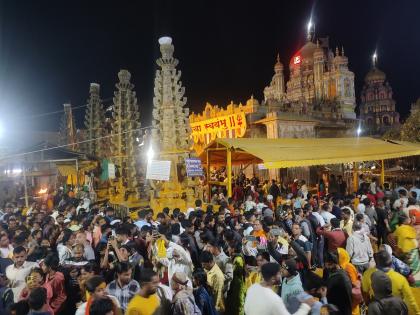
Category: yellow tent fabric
[67,170]
[286,152]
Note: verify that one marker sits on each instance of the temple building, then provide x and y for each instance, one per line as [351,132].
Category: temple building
[377,107]
[317,101]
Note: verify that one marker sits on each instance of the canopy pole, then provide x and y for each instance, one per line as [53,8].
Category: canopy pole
[77,175]
[229,171]
[208,175]
[382,172]
[355,183]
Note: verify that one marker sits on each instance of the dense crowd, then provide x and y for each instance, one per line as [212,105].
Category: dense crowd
[269,249]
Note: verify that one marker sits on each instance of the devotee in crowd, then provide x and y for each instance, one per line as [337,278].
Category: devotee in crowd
[268,249]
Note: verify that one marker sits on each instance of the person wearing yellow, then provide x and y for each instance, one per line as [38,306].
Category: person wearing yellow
[405,235]
[400,286]
[346,224]
[215,279]
[350,269]
[146,302]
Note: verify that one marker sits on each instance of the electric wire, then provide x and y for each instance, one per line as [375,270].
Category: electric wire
[71,144]
[62,110]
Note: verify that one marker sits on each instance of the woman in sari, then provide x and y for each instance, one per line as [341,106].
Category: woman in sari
[350,269]
[407,244]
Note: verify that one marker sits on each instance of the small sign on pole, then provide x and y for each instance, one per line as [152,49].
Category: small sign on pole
[194,168]
[111,170]
[158,170]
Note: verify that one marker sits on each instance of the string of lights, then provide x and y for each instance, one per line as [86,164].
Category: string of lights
[71,144]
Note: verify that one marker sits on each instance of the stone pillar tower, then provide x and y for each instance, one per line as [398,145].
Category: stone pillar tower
[94,123]
[125,131]
[170,118]
[170,133]
[68,128]
[319,62]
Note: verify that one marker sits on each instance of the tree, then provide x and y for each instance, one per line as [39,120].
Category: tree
[410,130]
[393,133]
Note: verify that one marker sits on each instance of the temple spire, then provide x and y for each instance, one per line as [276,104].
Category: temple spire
[374,59]
[310,30]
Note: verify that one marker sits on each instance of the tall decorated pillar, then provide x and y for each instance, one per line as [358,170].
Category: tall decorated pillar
[125,132]
[68,131]
[171,131]
[94,123]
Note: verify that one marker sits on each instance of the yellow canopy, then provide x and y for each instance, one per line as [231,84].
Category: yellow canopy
[282,153]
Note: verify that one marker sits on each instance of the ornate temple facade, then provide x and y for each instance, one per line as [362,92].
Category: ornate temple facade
[234,121]
[320,84]
[318,100]
[377,107]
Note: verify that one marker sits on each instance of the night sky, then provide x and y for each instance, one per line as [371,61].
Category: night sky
[51,50]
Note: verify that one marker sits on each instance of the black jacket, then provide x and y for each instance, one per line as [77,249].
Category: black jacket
[339,290]
[384,302]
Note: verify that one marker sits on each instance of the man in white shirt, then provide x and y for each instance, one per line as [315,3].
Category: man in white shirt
[402,201]
[177,260]
[261,299]
[249,203]
[18,272]
[82,240]
[326,214]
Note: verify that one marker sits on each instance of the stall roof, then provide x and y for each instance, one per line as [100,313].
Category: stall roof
[285,152]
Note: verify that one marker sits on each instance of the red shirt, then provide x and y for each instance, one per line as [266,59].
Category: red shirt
[336,238]
[59,294]
[372,199]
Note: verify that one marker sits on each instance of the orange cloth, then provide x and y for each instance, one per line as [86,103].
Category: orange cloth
[344,262]
[259,233]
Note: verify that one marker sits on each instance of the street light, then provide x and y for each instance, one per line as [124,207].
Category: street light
[359,131]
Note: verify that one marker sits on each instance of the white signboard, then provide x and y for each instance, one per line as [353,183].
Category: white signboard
[111,170]
[261,166]
[158,170]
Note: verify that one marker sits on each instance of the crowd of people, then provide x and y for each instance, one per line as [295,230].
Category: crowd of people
[269,249]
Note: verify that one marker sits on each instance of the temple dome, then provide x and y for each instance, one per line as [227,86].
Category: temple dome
[375,75]
[278,66]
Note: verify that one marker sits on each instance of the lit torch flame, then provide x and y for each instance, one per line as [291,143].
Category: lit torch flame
[43,191]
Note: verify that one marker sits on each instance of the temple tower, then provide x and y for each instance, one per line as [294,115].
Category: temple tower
[68,128]
[125,132]
[171,131]
[275,91]
[170,118]
[377,108]
[94,123]
[319,64]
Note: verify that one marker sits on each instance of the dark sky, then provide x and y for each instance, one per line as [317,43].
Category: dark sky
[51,50]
